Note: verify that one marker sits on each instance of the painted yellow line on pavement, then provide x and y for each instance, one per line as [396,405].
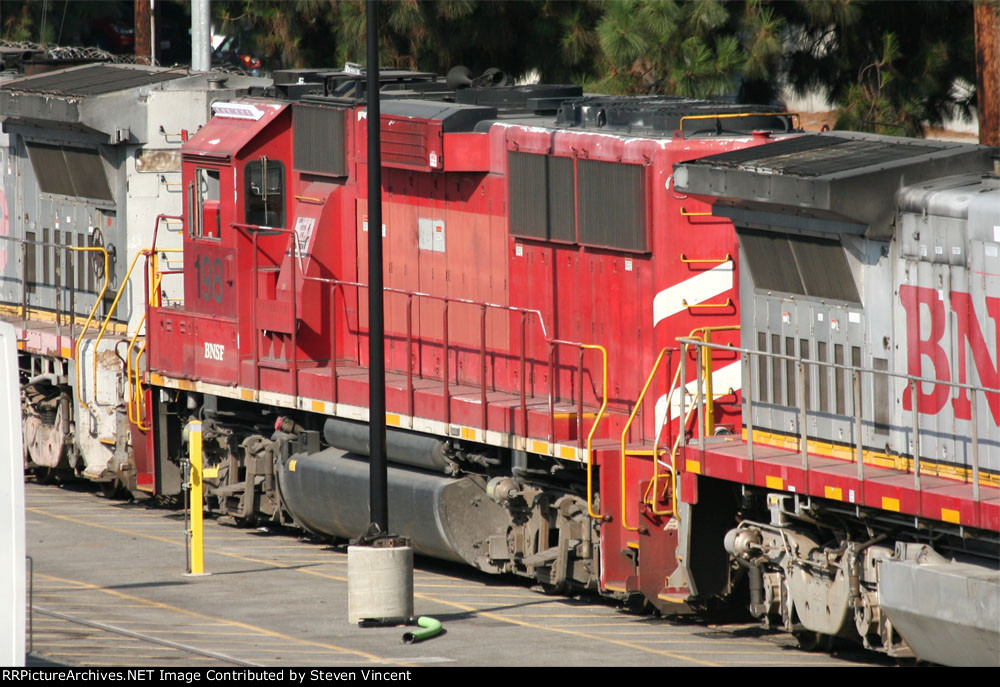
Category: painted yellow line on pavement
[553,615]
[81,604]
[425,597]
[231,623]
[89,655]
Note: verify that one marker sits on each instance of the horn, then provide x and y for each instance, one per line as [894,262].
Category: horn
[458,77]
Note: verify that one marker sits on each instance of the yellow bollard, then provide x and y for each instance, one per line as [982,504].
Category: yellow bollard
[196,533]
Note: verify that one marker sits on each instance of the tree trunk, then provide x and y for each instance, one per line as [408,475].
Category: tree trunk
[143,40]
[987,19]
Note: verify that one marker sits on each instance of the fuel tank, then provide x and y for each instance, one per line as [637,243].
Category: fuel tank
[444,517]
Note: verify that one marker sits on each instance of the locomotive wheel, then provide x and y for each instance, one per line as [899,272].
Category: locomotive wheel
[813,641]
[45,476]
[113,489]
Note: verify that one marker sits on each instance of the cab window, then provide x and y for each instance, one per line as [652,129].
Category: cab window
[265,193]
[205,220]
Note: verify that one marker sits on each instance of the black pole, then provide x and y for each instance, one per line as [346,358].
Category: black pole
[378,479]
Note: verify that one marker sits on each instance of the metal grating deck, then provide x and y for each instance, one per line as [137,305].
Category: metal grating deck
[91,80]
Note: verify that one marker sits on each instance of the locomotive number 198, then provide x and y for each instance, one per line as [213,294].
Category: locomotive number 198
[209,278]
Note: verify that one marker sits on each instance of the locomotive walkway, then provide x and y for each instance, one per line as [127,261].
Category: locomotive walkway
[109,590]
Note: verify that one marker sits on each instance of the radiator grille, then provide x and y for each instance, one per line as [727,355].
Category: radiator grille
[319,140]
[69,171]
[527,195]
[612,207]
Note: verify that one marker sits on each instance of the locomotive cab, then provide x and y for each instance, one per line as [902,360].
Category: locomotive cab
[223,239]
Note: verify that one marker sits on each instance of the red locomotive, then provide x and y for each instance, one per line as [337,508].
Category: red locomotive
[537,262]
[664,349]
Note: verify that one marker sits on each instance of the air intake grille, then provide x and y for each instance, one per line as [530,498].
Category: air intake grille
[541,197]
[801,265]
[319,140]
[527,195]
[612,205]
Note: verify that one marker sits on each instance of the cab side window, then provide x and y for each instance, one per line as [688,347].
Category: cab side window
[205,220]
[265,193]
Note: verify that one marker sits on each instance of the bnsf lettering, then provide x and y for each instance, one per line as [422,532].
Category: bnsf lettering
[969,336]
[214,351]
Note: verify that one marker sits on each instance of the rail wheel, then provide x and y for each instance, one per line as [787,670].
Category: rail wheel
[45,476]
[113,489]
[813,641]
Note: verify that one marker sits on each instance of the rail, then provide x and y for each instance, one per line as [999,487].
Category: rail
[593,426]
[86,325]
[802,404]
[738,115]
[687,260]
[152,284]
[136,418]
[483,307]
[676,385]
[252,231]
[59,286]
[164,219]
[627,428]
[688,213]
[107,319]
[584,441]
[152,267]
[695,306]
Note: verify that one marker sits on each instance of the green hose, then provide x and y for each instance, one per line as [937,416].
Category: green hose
[432,628]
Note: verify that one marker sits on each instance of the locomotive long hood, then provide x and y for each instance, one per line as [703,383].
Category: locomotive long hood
[104,99]
[836,182]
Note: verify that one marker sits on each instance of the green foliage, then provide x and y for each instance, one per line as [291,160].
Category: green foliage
[891,62]
[60,22]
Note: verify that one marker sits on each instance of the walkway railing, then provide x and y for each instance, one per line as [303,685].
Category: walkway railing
[803,371]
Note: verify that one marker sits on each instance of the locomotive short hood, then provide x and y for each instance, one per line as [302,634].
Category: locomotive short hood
[234,125]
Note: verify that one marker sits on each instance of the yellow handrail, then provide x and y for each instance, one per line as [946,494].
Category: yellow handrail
[128,373]
[86,325]
[593,429]
[706,335]
[728,258]
[156,277]
[154,291]
[706,371]
[738,115]
[628,426]
[675,385]
[727,304]
[686,213]
[111,312]
[138,389]
[655,483]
